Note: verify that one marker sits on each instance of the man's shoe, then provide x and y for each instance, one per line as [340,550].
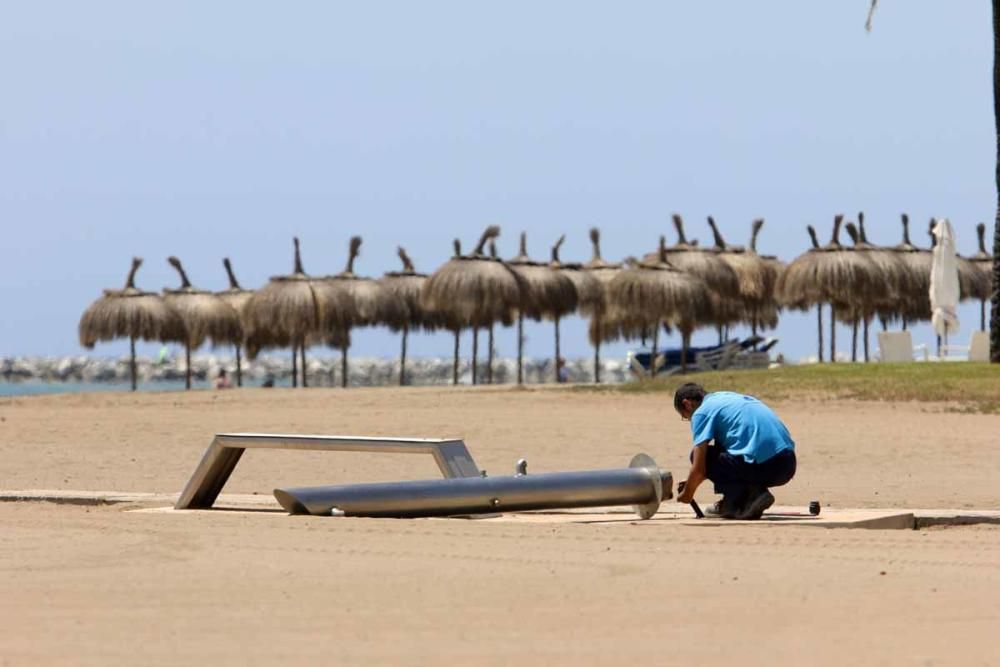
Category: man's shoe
[755,506]
[723,509]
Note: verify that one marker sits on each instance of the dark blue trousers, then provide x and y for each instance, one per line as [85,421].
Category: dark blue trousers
[735,478]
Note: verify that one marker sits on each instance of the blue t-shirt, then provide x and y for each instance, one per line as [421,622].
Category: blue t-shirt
[741,425]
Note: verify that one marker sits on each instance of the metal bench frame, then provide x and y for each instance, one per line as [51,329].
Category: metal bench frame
[221,457]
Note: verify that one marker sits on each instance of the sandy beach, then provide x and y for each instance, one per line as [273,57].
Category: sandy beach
[106,585]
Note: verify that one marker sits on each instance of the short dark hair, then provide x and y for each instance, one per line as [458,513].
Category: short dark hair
[690,391]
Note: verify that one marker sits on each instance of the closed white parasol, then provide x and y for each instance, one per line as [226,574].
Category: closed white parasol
[944,291]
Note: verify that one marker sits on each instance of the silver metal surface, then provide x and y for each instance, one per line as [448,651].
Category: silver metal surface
[521,468]
[220,459]
[642,485]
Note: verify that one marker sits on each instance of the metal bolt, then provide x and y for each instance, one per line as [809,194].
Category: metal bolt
[522,467]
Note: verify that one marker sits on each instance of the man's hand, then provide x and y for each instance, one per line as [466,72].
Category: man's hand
[684,493]
[686,489]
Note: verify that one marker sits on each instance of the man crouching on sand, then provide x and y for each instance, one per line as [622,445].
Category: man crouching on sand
[739,444]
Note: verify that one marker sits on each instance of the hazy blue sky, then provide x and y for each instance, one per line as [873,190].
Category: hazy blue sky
[205,129]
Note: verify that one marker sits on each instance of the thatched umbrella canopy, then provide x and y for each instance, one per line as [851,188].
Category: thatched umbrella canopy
[236,297]
[404,287]
[833,274]
[983,261]
[757,276]
[914,303]
[288,311]
[707,265]
[133,314]
[656,293]
[205,316]
[590,292]
[601,328]
[474,290]
[890,274]
[368,304]
[548,294]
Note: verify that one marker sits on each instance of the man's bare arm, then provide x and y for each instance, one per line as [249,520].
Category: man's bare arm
[697,474]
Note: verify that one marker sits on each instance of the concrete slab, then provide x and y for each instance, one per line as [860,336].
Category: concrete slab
[888,519]
[669,513]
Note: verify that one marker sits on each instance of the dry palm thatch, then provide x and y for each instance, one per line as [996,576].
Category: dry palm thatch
[707,265]
[600,329]
[366,301]
[890,274]
[832,274]
[205,315]
[795,290]
[547,294]
[656,293]
[405,287]
[236,297]
[983,261]
[914,300]
[133,314]
[285,313]
[474,290]
[757,276]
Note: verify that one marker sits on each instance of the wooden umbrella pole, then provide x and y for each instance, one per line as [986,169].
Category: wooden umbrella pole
[558,357]
[597,362]
[520,349]
[187,360]
[854,341]
[685,344]
[982,315]
[402,358]
[819,320]
[454,366]
[866,340]
[302,351]
[239,367]
[295,365]
[132,368]
[475,352]
[343,367]
[652,356]
[833,334]
[489,358]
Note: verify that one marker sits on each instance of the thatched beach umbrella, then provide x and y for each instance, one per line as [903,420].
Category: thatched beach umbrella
[656,293]
[474,290]
[590,292]
[983,261]
[205,316]
[832,274]
[236,297]
[404,286]
[604,272]
[707,265]
[133,314]
[368,304]
[757,276]
[914,300]
[288,311]
[548,294]
[889,275]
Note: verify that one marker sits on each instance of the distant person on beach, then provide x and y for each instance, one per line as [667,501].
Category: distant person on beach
[222,380]
[740,445]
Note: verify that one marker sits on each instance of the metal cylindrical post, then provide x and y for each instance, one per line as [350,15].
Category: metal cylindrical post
[643,485]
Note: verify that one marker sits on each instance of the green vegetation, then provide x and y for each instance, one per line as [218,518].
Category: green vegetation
[965,387]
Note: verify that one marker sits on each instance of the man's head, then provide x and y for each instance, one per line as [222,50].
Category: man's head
[688,398]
